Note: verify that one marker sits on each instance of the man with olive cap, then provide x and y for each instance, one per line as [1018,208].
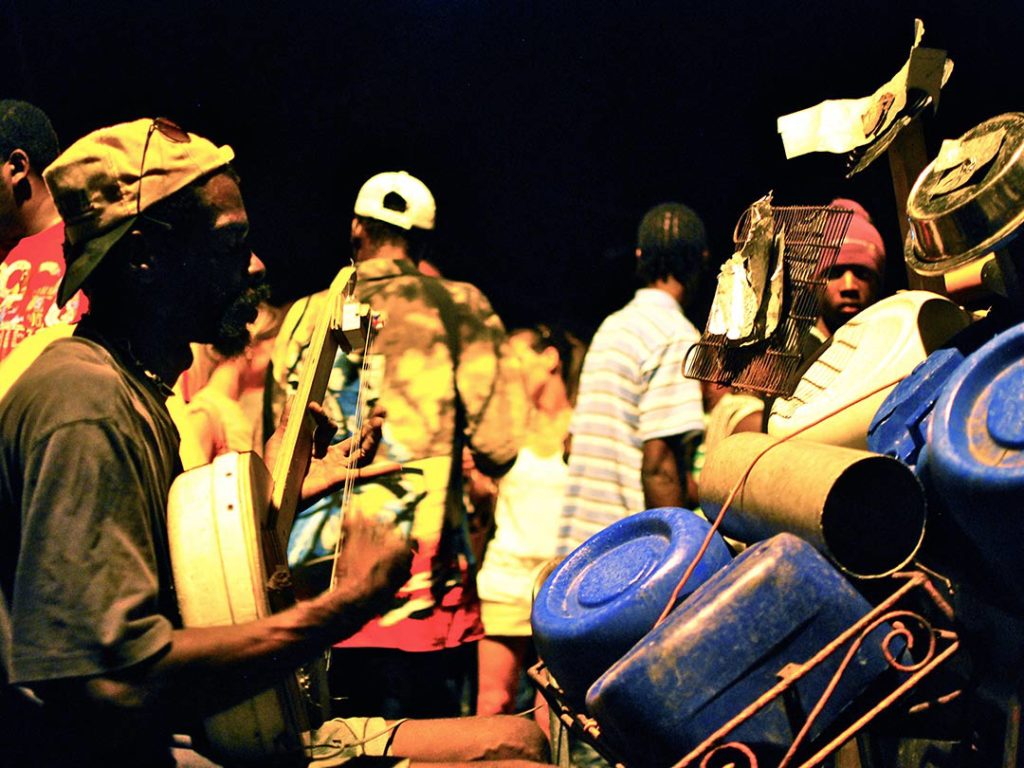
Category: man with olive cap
[156,237]
[98,669]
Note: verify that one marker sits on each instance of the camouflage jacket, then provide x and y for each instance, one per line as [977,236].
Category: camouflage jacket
[445,383]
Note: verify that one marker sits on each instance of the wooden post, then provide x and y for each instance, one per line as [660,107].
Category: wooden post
[907,158]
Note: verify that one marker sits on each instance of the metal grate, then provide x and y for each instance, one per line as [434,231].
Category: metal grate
[813,235]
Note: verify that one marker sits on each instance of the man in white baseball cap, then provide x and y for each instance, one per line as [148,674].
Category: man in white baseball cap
[442,370]
[397,203]
[397,198]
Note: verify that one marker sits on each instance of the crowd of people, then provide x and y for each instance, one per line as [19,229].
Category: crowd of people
[138,344]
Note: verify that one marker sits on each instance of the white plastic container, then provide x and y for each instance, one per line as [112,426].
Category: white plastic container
[877,347]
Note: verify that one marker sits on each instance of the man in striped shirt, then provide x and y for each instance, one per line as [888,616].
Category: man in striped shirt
[637,419]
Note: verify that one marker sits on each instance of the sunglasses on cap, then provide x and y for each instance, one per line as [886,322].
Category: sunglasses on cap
[170,131]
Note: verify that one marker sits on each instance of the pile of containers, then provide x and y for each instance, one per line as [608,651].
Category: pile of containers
[954,426]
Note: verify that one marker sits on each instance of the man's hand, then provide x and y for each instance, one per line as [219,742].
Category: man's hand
[665,471]
[482,492]
[322,429]
[352,453]
[374,561]
[332,464]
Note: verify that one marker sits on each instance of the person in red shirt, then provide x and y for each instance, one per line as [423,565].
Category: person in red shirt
[31,231]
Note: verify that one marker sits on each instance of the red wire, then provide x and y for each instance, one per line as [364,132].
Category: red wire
[739,484]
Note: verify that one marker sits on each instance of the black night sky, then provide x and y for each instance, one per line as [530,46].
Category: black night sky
[545,129]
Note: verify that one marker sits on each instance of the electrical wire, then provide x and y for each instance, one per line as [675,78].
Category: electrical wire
[739,485]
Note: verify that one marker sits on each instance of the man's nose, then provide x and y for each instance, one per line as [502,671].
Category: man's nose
[256,265]
[849,281]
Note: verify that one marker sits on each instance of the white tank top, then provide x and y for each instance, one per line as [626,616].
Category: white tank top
[529,507]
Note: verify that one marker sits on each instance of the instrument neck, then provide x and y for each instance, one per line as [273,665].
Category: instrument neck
[341,324]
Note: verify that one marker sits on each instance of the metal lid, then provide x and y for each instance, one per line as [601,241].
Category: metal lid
[970,200]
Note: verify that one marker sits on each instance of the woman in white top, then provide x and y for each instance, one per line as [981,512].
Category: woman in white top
[527,514]
[225,412]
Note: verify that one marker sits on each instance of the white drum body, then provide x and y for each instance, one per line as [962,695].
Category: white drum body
[216,522]
[879,346]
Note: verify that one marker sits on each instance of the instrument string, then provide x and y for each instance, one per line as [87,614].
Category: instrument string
[354,452]
[352,455]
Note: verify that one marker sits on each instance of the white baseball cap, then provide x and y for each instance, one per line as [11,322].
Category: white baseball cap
[397,198]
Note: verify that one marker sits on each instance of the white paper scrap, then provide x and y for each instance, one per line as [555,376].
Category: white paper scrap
[839,125]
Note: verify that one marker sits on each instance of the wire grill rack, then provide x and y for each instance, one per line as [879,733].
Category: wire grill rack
[813,235]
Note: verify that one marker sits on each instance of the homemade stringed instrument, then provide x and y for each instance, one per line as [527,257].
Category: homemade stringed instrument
[228,527]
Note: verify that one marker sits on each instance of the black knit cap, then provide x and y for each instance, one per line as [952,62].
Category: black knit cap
[671,240]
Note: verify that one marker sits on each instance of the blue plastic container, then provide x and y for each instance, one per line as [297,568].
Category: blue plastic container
[778,603]
[900,426]
[974,462]
[610,590]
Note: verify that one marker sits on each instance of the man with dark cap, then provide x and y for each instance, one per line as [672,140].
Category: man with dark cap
[637,419]
[31,231]
[97,667]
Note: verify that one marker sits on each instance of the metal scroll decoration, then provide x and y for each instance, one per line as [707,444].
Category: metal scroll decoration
[917,643]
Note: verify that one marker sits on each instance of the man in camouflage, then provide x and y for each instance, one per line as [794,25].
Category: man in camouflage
[441,371]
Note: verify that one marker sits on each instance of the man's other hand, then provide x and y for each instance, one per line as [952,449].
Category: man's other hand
[373,562]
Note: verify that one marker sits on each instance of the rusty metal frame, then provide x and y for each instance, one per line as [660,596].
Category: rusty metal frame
[943,643]
[576,723]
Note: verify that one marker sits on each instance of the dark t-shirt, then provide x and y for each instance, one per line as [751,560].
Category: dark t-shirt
[89,453]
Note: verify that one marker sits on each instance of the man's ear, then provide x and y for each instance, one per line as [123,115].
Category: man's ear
[18,166]
[141,260]
[551,359]
[16,169]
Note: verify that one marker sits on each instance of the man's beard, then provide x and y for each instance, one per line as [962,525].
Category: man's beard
[233,333]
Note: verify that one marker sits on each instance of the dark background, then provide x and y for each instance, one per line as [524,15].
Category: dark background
[544,129]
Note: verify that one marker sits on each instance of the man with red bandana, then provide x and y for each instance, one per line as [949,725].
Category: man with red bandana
[855,282]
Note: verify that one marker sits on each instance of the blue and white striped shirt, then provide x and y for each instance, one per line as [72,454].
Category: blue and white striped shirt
[632,389]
